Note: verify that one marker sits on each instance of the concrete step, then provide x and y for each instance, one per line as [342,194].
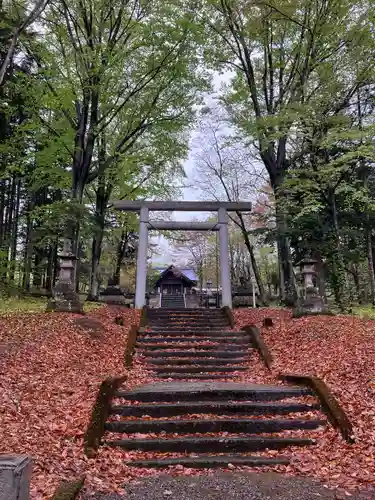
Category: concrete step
[186,313]
[230,355]
[172,303]
[196,361]
[210,444]
[197,376]
[195,333]
[193,321]
[207,338]
[187,309]
[210,461]
[209,391]
[189,345]
[211,407]
[199,369]
[243,425]
[190,326]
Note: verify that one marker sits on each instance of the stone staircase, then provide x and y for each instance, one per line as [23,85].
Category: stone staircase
[201,417]
[172,301]
[193,344]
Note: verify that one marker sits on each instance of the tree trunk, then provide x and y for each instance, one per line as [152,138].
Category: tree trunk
[37,275]
[338,268]
[13,250]
[50,268]
[96,251]
[73,229]
[370,264]
[288,291]
[355,273]
[7,225]
[121,251]
[100,209]
[255,267]
[2,211]
[28,250]
[287,281]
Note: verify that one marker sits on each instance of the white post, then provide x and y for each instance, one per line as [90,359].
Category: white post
[226,288]
[140,291]
[253,292]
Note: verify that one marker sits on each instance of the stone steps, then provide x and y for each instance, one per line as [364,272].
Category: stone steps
[210,444]
[186,317]
[235,402]
[196,361]
[172,301]
[201,390]
[199,369]
[208,338]
[191,326]
[197,376]
[232,425]
[211,407]
[192,391]
[187,345]
[191,321]
[188,314]
[195,333]
[208,353]
[211,462]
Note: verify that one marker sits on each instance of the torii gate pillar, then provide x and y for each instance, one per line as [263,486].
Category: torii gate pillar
[222,208]
[140,291]
[226,287]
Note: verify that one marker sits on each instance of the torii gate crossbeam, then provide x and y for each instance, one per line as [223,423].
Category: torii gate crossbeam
[144,207]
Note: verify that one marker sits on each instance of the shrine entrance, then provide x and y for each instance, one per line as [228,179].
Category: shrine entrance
[222,209]
[172,290]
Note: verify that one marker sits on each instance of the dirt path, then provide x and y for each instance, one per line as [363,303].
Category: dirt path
[231,486]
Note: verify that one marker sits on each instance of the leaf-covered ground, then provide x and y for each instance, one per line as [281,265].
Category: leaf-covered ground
[51,369]
[341,351]
[53,364]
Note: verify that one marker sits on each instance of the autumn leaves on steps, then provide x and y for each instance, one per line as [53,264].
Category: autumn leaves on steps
[207,424]
[193,331]
[200,417]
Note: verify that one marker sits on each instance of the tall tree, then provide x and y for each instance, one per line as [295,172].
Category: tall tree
[16,18]
[224,174]
[108,71]
[288,57]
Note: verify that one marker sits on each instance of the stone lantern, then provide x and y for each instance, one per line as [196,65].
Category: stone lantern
[307,269]
[64,296]
[311,302]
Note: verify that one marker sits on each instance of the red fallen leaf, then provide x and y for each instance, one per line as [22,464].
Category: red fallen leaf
[55,379]
[341,350]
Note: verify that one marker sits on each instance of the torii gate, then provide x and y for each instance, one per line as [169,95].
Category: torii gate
[144,207]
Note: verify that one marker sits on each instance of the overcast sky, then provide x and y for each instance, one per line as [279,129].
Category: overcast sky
[190,193]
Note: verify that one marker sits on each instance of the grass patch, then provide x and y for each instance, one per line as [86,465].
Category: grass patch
[364,311]
[14,305]
[91,306]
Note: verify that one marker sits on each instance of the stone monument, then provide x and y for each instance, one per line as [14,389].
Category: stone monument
[310,302]
[114,295]
[64,296]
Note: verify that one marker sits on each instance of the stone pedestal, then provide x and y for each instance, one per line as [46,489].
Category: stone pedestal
[311,302]
[15,475]
[114,295]
[64,296]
